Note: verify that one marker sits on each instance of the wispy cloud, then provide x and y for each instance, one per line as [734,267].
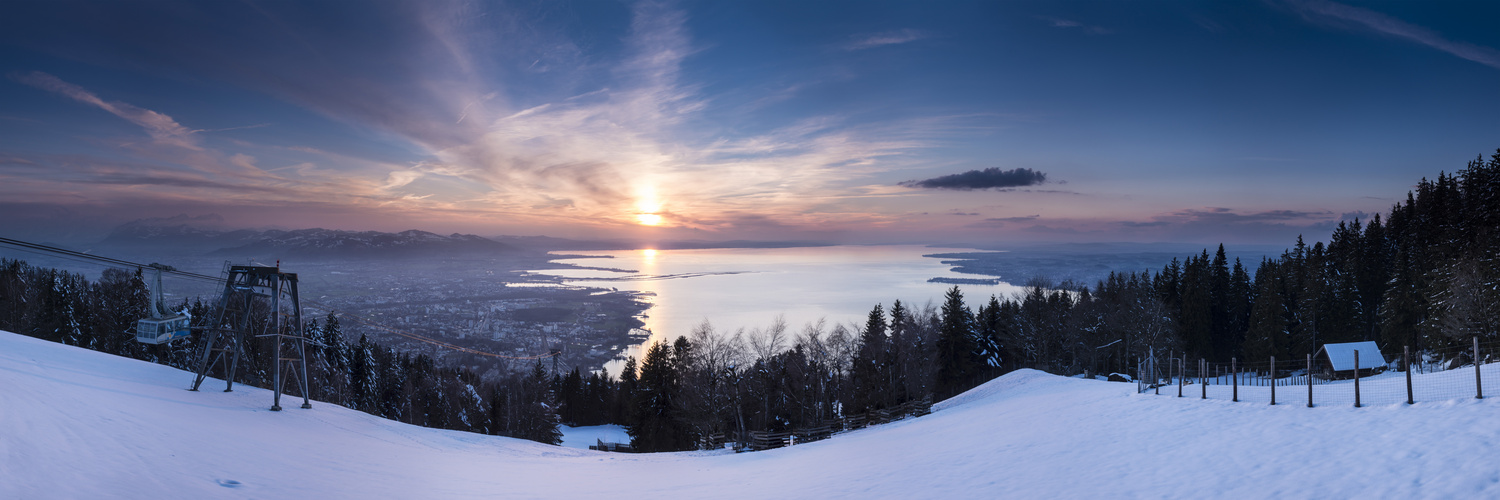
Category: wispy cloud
[1071,24]
[505,116]
[162,128]
[896,37]
[1401,29]
[997,222]
[638,142]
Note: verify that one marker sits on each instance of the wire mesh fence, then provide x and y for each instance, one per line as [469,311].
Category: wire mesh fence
[1328,378]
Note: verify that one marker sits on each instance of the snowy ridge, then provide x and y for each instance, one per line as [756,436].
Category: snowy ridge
[82,424]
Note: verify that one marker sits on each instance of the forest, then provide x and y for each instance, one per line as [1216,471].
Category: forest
[1422,276]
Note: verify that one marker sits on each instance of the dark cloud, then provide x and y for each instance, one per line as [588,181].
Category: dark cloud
[210,219]
[180,181]
[1045,229]
[989,178]
[1218,224]
[996,222]
[1217,215]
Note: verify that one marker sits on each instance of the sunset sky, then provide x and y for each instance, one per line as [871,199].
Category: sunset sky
[860,121]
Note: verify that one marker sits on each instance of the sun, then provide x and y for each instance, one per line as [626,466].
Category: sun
[648,219]
[648,209]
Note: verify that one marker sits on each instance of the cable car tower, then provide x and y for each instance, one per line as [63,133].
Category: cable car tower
[161,326]
[252,292]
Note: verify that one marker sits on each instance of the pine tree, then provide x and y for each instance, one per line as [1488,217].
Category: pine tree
[624,402]
[655,426]
[1195,317]
[988,328]
[536,417]
[870,368]
[957,351]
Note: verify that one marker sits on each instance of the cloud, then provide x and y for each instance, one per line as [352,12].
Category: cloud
[882,39]
[1044,229]
[998,222]
[203,220]
[989,178]
[162,128]
[400,178]
[1210,224]
[1225,216]
[1070,24]
[493,109]
[1400,29]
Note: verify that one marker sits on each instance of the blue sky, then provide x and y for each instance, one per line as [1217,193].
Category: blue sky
[1241,122]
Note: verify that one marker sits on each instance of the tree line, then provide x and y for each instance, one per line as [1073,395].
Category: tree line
[1423,276]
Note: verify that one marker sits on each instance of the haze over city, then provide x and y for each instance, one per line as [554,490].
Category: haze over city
[847,122]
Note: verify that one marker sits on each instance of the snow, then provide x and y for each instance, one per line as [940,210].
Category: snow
[82,424]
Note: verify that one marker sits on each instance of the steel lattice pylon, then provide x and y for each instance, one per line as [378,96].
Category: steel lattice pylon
[231,328]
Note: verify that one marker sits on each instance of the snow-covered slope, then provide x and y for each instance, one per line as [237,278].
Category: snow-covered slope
[80,424]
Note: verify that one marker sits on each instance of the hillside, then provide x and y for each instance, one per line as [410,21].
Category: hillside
[81,424]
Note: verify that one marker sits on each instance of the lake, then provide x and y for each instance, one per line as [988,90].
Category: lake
[749,287]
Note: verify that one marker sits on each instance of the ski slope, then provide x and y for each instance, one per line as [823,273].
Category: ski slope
[81,424]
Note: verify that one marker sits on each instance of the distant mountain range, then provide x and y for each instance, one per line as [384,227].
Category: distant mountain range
[548,243]
[317,243]
[333,243]
[184,236]
[147,234]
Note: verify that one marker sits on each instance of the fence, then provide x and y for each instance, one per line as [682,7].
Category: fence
[768,440]
[1406,376]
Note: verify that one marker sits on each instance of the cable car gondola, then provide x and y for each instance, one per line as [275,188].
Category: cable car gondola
[162,326]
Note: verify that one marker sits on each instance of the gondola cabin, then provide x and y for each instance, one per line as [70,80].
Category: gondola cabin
[160,326]
[162,330]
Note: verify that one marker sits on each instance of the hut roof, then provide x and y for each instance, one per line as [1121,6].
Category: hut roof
[1341,356]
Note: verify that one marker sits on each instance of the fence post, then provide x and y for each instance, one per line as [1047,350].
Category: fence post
[1406,361]
[1202,371]
[1234,368]
[1356,378]
[1273,380]
[1478,384]
[1309,381]
[1181,373]
[1155,377]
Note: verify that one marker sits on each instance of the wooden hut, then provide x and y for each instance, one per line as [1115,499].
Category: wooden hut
[1337,360]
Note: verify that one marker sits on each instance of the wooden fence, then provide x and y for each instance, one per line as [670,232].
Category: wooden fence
[759,440]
